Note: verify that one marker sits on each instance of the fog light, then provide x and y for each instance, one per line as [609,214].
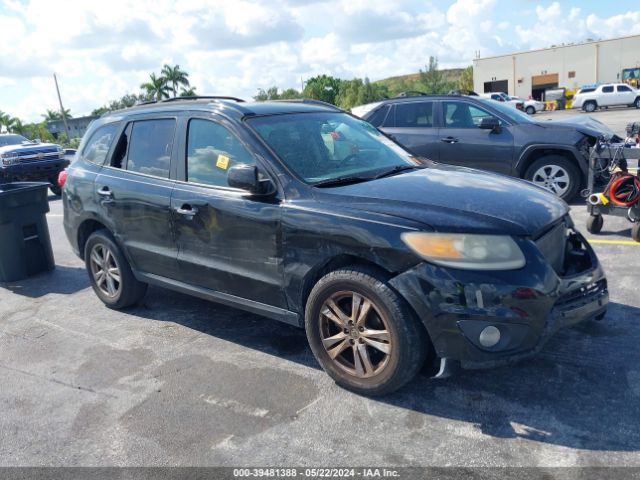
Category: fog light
[489,337]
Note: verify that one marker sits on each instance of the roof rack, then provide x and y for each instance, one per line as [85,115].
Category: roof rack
[411,93]
[312,101]
[202,97]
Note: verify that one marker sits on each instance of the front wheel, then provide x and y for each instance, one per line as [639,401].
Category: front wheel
[635,232]
[637,102]
[109,272]
[530,110]
[363,333]
[590,107]
[555,173]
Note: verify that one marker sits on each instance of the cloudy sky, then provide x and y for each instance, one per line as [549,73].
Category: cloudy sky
[101,50]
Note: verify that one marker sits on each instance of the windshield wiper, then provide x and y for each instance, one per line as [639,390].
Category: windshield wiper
[397,169]
[334,182]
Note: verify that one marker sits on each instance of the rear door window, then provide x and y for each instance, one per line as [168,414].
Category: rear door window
[149,147]
[414,114]
[623,88]
[97,148]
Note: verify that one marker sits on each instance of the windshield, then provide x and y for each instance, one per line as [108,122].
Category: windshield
[510,112]
[320,147]
[11,140]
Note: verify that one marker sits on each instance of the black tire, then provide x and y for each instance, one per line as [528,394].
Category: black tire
[530,110]
[637,102]
[128,290]
[635,232]
[590,106]
[594,224]
[406,338]
[565,183]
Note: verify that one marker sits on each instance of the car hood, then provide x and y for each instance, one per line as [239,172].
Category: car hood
[582,123]
[455,199]
[26,148]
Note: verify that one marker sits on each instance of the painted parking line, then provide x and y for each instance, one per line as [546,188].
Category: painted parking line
[615,242]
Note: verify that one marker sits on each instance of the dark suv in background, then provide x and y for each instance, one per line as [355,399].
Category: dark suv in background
[22,159]
[305,214]
[480,133]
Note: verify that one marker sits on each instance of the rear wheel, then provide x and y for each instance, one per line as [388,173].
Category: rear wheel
[555,173]
[109,272]
[590,106]
[637,102]
[362,333]
[530,110]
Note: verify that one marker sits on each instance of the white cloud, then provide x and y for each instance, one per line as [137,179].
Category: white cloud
[102,50]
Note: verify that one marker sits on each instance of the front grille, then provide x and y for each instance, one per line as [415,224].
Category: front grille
[553,246]
[38,156]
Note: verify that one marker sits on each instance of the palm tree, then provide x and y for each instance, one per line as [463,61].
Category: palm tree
[52,115]
[175,77]
[14,125]
[156,87]
[4,120]
[188,92]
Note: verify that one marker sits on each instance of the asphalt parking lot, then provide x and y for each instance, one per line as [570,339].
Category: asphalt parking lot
[180,381]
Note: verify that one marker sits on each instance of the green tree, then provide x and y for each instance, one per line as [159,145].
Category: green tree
[188,92]
[56,115]
[156,88]
[465,82]
[272,93]
[432,79]
[126,101]
[4,120]
[175,77]
[322,87]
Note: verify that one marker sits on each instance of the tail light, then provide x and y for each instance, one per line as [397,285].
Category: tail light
[62,178]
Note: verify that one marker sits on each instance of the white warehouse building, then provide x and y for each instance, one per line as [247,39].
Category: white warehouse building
[532,72]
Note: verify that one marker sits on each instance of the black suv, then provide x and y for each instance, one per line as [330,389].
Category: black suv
[302,213]
[481,133]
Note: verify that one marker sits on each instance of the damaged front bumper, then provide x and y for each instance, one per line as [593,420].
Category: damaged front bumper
[526,306]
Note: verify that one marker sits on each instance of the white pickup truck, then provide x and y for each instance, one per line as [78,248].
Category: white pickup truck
[607,95]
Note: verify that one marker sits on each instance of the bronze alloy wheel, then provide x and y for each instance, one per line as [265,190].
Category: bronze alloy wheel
[355,334]
[105,270]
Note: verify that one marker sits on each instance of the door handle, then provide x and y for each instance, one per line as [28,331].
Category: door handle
[449,140]
[106,194]
[187,210]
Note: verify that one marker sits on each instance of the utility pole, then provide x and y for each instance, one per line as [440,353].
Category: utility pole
[64,116]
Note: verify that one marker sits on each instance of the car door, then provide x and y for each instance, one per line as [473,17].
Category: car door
[413,124]
[463,142]
[608,96]
[625,95]
[227,240]
[133,192]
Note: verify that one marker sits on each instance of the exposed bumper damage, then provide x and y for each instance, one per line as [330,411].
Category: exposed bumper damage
[527,306]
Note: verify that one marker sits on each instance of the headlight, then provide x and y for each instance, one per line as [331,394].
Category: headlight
[466,251]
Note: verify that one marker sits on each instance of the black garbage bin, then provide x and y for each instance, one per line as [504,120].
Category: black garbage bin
[25,246]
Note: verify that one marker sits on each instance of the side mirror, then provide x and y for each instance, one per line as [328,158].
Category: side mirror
[247,177]
[490,123]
